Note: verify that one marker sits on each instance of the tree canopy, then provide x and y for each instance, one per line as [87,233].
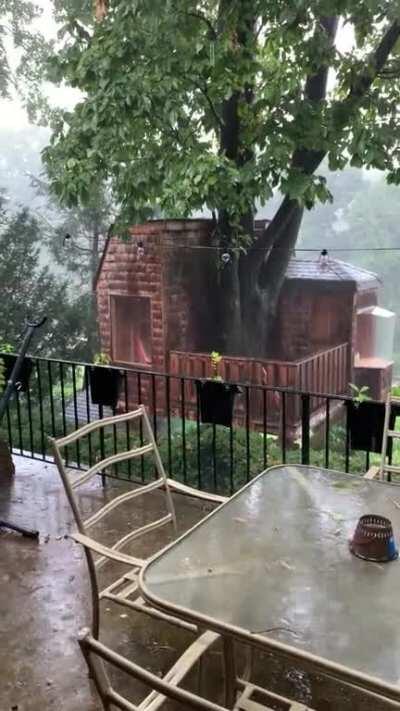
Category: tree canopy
[217,103]
[18,33]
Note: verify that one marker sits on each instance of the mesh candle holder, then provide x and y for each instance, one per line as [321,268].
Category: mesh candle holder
[374,540]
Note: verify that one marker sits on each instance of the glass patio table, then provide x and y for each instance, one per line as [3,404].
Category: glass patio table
[272,567]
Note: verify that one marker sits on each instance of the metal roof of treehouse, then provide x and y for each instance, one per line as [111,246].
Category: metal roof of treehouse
[331,270]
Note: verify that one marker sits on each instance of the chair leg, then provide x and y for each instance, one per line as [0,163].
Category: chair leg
[248,667]
[230,672]
[95,594]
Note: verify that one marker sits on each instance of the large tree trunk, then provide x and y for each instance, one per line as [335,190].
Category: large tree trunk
[250,286]
[261,284]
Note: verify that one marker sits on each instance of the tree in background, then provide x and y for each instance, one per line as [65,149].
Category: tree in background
[28,289]
[76,244]
[320,226]
[371,223]
[189,103]
[17,27]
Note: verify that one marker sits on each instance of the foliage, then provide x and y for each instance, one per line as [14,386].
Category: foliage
[101,359]
[19,32]
[215,359]
[6,347]
[2,377]
[155,77]
[28,289]
[359,394]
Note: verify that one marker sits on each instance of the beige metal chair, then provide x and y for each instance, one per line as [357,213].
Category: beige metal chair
[249,696]
[124,589]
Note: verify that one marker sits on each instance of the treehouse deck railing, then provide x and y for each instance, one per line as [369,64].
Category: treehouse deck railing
[323,372]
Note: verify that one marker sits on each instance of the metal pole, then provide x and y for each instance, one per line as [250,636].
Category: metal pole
[30,328]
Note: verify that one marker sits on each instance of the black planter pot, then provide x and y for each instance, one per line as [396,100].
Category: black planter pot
[366,422]
[105,384]
[216,401]
[24,373]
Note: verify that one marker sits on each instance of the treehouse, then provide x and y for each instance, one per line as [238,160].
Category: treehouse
[155,314]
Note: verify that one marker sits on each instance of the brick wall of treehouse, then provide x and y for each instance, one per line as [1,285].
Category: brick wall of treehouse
[150,298]
[312,318]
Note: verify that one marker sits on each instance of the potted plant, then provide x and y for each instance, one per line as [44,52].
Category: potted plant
[216,397]
[105,382]
[366,419]
[9,359]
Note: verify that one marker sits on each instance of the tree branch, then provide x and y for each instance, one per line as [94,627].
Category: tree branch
[199,16]
[315,90]
[210,103]
[309,160]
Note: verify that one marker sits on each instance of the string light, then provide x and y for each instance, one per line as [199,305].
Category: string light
[239,251]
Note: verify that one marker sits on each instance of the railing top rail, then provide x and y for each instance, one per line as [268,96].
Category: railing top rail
[265,361]
[191,378]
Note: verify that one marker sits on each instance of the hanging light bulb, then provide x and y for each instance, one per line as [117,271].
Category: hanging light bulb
[226,257]
[140,250]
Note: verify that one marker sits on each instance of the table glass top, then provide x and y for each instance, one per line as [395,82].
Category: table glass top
[275,560]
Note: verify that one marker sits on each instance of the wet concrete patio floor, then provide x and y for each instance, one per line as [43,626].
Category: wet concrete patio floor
[44,602]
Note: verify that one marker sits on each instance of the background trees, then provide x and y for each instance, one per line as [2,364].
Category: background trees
[30,289]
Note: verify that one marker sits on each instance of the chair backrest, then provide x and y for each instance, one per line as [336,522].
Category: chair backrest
[96,653]
[148,447]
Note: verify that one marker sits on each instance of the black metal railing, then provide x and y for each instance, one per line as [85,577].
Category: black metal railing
[271,425]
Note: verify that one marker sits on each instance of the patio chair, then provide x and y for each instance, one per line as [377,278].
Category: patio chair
[125,587]
[249,696]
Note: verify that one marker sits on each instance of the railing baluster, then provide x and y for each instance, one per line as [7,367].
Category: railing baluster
[305,429]
[88,416]
[76,418]
[327,432]
[198,439]
[127,425]
[115,449]
[265,449]
[20,435]
[64,421]
[283,426]
[347,442]
[183,420]
[168,404]
[231,461]
[154,404]
[247,399]
[139,391]
[40,398]
[51,397]
[102,444]
[214,456]
[31,440]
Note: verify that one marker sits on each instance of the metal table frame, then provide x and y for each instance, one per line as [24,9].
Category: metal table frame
[370,685]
